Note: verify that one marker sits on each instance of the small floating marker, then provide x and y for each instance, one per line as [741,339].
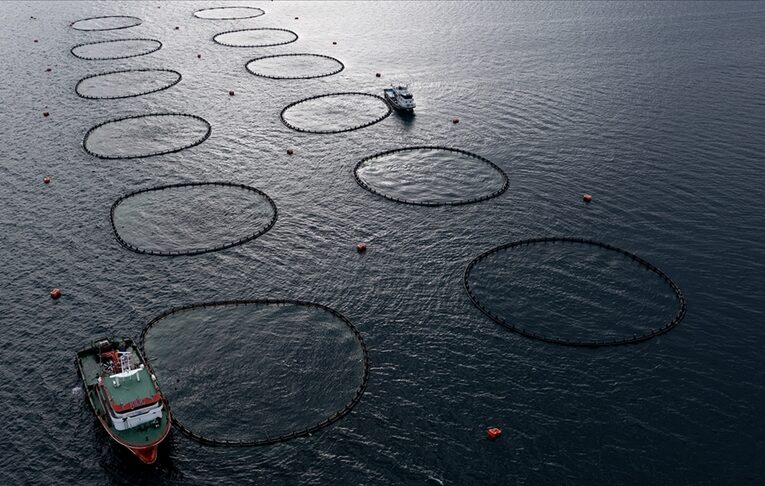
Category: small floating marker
[35,40]
[199,56]
[586,198]
[290,151]
[455,120]
[46,114]
[55,293]
[378,75]
[334,43]
[176,27]
[48,70]
[297,18]
[231,93]
[361,247]
[46,180]
[493,433]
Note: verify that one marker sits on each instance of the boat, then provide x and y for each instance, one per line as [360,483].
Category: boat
[125,396]
[400,98]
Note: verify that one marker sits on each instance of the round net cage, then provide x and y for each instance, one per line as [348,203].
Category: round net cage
[256,37]
[294,66]
[228,13]
[191,218]
[574,292]
[115,49]
[431,176]
[335,112]
[106,22]
[145,135]
[256,372]
[126,84]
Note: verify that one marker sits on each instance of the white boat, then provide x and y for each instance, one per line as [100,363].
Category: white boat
[400,98]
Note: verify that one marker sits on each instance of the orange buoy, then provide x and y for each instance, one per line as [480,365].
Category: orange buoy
[361,247]
[46,180]
[493,432]
[45,113]
[455,120]
[231,93]
[290,151]
[586,198]
[55,293]
[378,75]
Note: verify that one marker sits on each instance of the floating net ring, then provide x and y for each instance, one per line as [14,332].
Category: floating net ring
[113,131]
[493,175]
[258,230]
[135,21]
[678,296]
[244,13]
[151,45]
[266,439]
[331,95]
[340,66]
[129,81]
[220,37]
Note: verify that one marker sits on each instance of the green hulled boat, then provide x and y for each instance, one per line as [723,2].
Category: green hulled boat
[125,396]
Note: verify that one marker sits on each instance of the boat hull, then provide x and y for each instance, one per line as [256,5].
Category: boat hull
[394,104]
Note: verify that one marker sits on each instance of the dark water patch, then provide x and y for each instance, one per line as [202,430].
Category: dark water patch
[431,176]
[190,219]
[257,37]
[106,22]
[146,135]
[228,13]
[574,292]
[256,372]
[116,49]
[126,84]
[335,112]
[294,66]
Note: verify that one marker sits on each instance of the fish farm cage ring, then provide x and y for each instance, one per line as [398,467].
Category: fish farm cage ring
[228,13]
[228,38]
[153,234]
[105,146]
[264,59]
[321,116]
[126,83]
[149,46]
[119,23]
[324,321]
[407,177]
[677,295]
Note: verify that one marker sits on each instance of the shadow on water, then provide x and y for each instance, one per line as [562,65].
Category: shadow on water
[406,117]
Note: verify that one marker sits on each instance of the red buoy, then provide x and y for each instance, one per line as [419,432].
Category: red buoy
[378,75]
[55,293]
[586,198]
[455,120]
[45,113]
[361,247]
[46,180]
[231,93]
[493,432]
[290,151]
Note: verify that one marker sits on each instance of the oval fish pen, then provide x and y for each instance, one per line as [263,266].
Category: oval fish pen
[228,13]
[336,108]
[256,372]
[115,49]
[106,22]
[255,37]
[127,83]
[191,218]
[595,294]
[296,62]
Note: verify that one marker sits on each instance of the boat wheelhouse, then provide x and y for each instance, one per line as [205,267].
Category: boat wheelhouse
[400,98]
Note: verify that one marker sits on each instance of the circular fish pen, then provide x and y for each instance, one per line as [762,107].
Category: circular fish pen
[598,291]
[128,83]
[106,22]
[255,37]
[191,218]
[228,13]
[246,373]
[335,112]
[299,65]
[115,49]
[154,134]
[431,176]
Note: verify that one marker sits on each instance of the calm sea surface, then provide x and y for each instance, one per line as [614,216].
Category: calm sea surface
[656,109]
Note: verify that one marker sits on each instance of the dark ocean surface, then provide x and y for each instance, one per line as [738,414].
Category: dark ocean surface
[656,109]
